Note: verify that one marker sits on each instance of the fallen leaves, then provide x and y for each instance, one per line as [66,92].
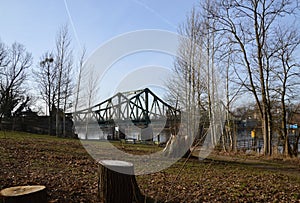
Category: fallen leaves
[69,174]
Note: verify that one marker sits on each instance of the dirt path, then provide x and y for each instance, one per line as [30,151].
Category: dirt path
[254,161]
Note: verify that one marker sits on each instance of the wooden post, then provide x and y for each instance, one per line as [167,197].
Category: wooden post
[117,182]
[24,194]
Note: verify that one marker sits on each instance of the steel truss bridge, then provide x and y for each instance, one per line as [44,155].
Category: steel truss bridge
[136,114]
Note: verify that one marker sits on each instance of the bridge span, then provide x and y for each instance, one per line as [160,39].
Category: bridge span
[139,115]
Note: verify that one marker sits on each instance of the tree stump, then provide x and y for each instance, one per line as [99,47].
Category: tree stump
[24,194]
[117,182]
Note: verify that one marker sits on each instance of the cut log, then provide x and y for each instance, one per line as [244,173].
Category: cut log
[117,182]
[24,194]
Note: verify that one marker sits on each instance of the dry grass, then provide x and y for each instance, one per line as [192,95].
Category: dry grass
[69,173]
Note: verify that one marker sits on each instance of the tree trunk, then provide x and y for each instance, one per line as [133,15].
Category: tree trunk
[235,130]
[177,147]
[265,129]
[117,182]
[24,194]
[49,124]
[270,132]
[57,132]
[295,148]
[64,124]
[287,147]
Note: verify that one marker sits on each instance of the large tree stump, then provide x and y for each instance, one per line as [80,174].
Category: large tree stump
[117,182]
[24,194]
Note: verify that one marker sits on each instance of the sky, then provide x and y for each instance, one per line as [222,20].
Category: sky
[35,23]
[92,23]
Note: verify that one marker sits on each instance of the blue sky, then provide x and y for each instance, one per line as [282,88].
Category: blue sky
[35,23]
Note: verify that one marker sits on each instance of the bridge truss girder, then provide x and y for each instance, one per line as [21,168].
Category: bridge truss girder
[140,108]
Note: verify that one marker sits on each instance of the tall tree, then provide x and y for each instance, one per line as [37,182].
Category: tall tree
[185,88]
[194,87]
[85,95]
[212,42]
[45,75]
[81,73]
[233,90]
[250,23]
[14,62]
[287,74]
[63,62]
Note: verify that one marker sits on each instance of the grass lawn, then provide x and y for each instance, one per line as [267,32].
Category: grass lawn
[69,173]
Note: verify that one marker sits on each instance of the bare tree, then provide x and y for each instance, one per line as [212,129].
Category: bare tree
[250,24]
[91,92]
[3,55]
[54,78]
[184,87]
[15,61]
[79,78]
[195,86]
[287,74]
[232,91]
[212,42]
[45,75]
[63,62]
